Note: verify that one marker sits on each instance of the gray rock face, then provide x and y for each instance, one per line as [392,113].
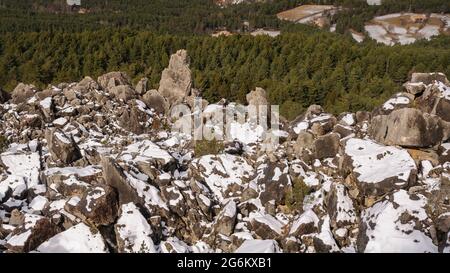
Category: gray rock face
[141,86]
[408,127]
[23,92]
[403,209]
[305,140]
[340,207]
[154,100]
[435,100]
[275,181]
[134,119]
[443,109]
[35,231]
[376,169]
[227,219]
[305,223]
[86,84]
[266,226]
[123,92]
[98,206]
[326,146]
[133,233]
[176,80]
[62,147]
[112,79]
[114,177]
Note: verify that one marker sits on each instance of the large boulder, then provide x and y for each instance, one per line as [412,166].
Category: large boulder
[98,206]
[112,79]
[376,169]
[141,86]
[155,101]
[86,84]
[436,100]
[225,174]
[133,189]
[398,101]
[397,224]
[226,220]
[305,141]
[266,226]
[146,154]
[23,92]
[34,231]
[326,146]
[176,80]
[77,239]
[414,88]
[305,223]
[133,232]
[274,182]
[136,118]
[408,127]
[115,177]
[62,147]
[123,92]
[340,207]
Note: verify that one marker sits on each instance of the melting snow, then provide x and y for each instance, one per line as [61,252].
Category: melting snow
[77,239]
[390,104]
[259,246]
[388,233]
[375,163]
[134,230]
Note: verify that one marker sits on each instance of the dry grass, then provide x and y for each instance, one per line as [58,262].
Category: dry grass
[303,11]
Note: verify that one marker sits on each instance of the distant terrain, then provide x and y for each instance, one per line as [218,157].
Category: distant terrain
[236,47]
[389,29]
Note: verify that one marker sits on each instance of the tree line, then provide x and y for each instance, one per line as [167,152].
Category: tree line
[297,68]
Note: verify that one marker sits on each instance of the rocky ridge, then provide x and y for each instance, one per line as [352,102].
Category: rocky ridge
[93,166]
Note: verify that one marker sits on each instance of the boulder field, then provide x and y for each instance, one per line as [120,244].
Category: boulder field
[93,166]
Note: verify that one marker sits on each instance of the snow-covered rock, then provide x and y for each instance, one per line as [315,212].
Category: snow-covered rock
[379,169]
[397,224]
[77,239]
[224,174]
[133,232]
[259,246]
[94,167]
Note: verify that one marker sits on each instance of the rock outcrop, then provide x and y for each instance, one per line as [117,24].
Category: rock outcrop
[94,166]
[176,80]
[408,127]
[23,92]
[62,147]
[112,79]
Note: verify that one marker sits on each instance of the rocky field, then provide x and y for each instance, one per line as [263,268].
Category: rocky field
[93,166]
